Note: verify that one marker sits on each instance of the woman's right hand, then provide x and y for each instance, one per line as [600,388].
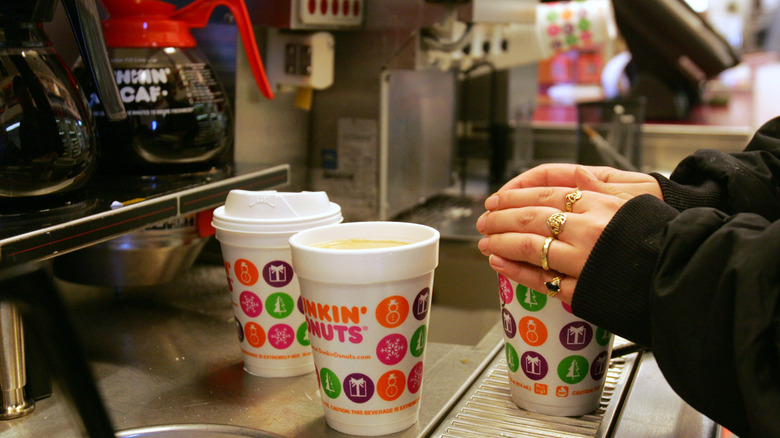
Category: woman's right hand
[607,180]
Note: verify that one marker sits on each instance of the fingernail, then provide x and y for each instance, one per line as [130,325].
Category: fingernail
[483,244]
[481,222]
[497,261]
[491,203]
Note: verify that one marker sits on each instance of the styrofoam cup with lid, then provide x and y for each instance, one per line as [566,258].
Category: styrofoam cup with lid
[254,228]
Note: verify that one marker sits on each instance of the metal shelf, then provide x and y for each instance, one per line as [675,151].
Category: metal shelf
[100,222]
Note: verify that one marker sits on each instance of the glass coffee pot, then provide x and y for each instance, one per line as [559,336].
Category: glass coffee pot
[179,116]
[48,148]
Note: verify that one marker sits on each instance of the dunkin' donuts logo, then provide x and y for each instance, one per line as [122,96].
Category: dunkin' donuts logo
[334,323]
[142,85]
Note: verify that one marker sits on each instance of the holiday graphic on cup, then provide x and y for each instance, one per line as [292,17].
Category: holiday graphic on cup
[563,26]
[557,362]
[254,230]
[367,312]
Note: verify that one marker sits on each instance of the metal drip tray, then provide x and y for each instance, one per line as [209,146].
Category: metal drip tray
[487,410]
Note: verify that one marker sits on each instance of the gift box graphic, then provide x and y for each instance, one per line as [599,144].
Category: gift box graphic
[422,303]
[278,273]
[533,365]
[575,335]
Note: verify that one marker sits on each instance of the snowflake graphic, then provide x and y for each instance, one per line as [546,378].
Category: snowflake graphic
[251,304]
[281,337]
[505,291]
[392,349]
[415,378]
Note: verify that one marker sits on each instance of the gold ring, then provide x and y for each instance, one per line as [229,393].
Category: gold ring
[571,198]
[553,286]
[545,249]
[556,221]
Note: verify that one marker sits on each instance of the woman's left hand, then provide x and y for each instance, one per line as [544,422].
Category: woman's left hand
[515,229]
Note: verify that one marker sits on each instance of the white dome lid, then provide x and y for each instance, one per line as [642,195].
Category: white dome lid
[269,211]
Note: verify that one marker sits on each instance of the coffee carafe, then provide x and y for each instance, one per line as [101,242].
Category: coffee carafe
[48,148]
[179,116]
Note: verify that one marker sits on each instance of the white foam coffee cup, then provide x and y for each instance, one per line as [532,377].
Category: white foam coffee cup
[254,228]
[557,362]
[368,312]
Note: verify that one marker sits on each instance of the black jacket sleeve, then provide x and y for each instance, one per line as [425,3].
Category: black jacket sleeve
[697,279]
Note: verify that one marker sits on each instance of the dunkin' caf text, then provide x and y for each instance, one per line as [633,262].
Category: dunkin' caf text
[331,322]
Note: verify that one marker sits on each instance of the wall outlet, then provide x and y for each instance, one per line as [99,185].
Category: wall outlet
[302,59]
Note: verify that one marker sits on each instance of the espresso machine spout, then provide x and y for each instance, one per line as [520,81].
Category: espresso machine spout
[13,402]
[27,290]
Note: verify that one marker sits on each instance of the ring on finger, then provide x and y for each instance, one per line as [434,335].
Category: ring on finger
[545,250]
[556,221]
[553,286]
[571,198]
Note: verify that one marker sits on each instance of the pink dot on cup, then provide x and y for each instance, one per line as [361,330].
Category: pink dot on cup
[415,378]
[281,336]
[250,303]
[391,349]
[505,289]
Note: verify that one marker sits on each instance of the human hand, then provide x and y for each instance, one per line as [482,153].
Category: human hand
[607,180]
[515,228]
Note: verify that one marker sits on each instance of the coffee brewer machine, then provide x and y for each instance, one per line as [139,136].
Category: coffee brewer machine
[47,153]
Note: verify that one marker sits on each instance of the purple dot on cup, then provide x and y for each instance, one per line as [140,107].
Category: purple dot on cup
[281,336]
[250,303]
[599,366]
[358,387]
[278,273]
[534,365]
[421,304]
[239,331]
[576,335]
[391,349]
[300,305]
[508,321]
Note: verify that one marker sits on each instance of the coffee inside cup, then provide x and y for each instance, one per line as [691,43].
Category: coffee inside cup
[359,244]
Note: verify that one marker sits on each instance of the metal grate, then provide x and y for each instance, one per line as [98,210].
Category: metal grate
[488,411]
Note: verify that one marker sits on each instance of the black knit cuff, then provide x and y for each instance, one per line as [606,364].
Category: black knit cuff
[683,197]
[614,288]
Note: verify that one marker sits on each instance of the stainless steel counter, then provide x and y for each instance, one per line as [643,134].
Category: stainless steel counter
[169,355]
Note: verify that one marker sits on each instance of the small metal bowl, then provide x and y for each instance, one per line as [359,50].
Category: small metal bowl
[195,431]
[152,256]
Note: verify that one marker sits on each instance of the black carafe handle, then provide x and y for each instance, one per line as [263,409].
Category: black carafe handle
[31,289]
[85,22]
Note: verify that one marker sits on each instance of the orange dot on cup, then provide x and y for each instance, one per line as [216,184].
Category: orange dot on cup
[532,330]
[254,334]
[246,272]
[391,385]
[392,311]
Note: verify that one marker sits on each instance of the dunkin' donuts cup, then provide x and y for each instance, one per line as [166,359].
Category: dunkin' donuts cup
[563,26]
[367,308]
[254,229]
[557,362]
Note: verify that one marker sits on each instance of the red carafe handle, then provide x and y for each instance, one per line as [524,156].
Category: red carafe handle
[197,14]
